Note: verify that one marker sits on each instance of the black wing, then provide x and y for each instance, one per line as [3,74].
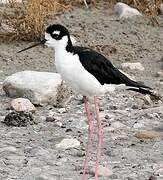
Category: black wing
[103,69]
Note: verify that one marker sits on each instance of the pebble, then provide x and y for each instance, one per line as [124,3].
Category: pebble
[9,149]
[62,110]
[159,74]
[22,105]
[59,124]
[117,125]
[103,171]
[53,118]
[138,125]
[148,135]
[68,143]
[132,66]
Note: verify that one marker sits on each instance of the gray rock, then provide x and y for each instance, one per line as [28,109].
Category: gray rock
[39,87]
[132,66]
[122,10]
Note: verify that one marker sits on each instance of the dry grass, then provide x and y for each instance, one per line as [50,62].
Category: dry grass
[28,19]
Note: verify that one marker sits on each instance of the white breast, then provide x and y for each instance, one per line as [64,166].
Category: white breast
[72,71]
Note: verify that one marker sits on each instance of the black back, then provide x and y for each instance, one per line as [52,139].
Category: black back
[100,67]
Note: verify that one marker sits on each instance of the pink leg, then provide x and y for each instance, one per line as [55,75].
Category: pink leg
[90,132]
[99,135]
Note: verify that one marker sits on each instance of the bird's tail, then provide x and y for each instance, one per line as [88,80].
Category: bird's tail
[141,88]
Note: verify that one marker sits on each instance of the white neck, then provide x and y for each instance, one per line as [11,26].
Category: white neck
[61,44]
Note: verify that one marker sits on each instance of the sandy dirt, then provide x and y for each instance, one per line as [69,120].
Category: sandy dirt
[29,153]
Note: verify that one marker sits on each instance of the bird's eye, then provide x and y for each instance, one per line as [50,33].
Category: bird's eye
[55,35]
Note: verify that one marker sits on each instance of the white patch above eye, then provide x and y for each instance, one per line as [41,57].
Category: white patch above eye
[56,32]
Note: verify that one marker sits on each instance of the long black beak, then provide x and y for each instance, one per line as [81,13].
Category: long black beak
[34,45]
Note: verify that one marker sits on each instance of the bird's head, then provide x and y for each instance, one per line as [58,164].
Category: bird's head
[57,35]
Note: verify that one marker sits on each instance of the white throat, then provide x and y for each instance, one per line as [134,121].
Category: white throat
[61,44]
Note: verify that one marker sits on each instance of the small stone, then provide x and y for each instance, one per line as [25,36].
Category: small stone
[106,116]
[159,74]
[53,119]
[161,8]
[50,119]
[19,119]
[117,125]
[68,143]
[9,149]
[148,135]
[102,171]
[138,125]
[122,10]
[132,66]
[22,105]
[62,110]
[59,124]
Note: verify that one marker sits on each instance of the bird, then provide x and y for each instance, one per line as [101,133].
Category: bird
[90,74]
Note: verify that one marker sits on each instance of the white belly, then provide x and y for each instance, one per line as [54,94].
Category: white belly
[76,76]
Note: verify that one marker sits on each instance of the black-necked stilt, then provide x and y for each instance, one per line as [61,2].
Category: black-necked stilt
[90,74]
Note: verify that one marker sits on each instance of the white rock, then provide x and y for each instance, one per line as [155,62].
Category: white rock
[8,149]
[102,171]
[124,11]
[161,8]
[132,66]
[22,105]
[39,87]
[68,143]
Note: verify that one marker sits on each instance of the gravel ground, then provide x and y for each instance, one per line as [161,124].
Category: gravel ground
[30,153]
